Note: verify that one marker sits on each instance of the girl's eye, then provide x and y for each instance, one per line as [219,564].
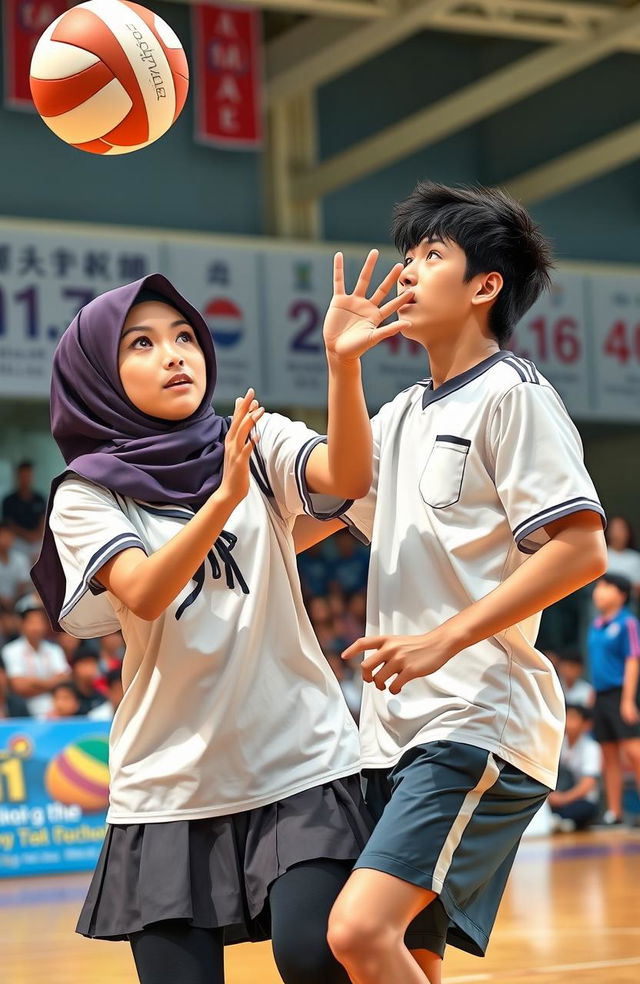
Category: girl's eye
[141,338]
[186,335]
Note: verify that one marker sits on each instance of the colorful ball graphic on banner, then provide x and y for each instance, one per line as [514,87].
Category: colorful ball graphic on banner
[109,77]
[79,774]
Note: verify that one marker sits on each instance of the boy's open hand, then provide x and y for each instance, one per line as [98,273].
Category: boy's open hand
[352,324]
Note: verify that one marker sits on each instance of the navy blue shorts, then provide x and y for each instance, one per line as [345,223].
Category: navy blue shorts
[449,819]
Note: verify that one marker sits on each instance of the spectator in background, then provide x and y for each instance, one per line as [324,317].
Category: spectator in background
[576,689]
[574,804]
[623,558]
[313,569]
[69,645]
[106,710]
[11,706]
[349,570]
[85,671]
[111,651]
[24,510]
[324,626]
[34,665]
[14,580]
[66,701]
[614,655]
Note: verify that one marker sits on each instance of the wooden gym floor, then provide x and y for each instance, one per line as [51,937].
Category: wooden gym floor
[571,911]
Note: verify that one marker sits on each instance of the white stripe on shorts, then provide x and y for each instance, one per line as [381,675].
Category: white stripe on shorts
[471,800]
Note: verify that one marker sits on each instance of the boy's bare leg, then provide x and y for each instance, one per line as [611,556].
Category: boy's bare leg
[367,926]
[612,774]
[430,963]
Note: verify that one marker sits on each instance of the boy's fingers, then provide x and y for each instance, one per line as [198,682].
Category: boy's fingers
[361,645]
[338,274]
[366,273]
[395,304]
[387,284]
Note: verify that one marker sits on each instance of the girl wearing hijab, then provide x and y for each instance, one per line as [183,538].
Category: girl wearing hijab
[235,807]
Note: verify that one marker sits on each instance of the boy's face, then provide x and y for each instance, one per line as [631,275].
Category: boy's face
[607,597]
[86,672]
[162,367]
[65,703]
[443,303]
[576,725]
[35,626]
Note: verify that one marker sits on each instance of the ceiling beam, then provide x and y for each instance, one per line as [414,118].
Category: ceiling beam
[466,106]
[353,9]
[578,166]
[315,52]
[318,50]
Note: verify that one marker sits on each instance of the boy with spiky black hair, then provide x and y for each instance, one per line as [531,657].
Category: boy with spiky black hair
[481,514]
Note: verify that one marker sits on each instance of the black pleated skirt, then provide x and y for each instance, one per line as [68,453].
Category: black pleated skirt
[216,873]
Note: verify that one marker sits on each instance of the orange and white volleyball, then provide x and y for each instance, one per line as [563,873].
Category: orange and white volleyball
[109,77]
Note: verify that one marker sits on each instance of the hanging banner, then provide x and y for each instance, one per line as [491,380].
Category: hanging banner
[54,793]
[555,337]
[615,308]
[228,71]
[23,23]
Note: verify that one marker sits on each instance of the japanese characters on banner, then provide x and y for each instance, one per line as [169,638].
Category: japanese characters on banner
[554,335]
[222,283]
[54,793]
[228,76]
[23,23]
[44,280]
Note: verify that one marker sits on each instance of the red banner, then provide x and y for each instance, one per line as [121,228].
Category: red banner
[228,76]
[24,22]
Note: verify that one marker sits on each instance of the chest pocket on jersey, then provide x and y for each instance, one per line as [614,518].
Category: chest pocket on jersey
[441,481]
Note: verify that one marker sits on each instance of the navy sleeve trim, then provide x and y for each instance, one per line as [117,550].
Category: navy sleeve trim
[529,526]
[123,541]
[260,472]
[355,531]
[303,491]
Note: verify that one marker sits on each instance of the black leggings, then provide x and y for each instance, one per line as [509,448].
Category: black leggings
[173,952]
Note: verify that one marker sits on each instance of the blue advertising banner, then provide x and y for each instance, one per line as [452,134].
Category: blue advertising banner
[54,789]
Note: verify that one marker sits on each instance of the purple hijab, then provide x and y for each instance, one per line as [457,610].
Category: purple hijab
[103,437]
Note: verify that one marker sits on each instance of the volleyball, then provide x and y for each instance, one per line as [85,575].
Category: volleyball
[109,77]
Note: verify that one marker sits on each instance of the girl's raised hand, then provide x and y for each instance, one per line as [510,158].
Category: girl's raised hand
[238,445]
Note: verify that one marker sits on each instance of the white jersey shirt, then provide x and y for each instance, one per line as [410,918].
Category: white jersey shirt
[465,478]
[229,703]
[22,660]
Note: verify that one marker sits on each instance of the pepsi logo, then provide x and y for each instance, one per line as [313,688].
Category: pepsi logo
[225,320]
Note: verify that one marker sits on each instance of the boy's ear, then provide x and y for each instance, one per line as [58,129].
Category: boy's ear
[489,286]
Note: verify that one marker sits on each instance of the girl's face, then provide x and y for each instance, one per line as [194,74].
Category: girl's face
[162,367]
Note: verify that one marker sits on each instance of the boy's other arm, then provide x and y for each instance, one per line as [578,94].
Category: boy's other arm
[574,555]
[344,465]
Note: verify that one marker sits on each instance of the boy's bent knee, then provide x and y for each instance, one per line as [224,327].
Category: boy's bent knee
[351,938]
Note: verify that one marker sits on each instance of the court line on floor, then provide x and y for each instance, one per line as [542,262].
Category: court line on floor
[539,971]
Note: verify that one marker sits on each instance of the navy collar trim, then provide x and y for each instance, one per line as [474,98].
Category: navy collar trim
[457,382]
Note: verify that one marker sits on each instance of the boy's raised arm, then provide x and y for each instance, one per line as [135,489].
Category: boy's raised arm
[343,466]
